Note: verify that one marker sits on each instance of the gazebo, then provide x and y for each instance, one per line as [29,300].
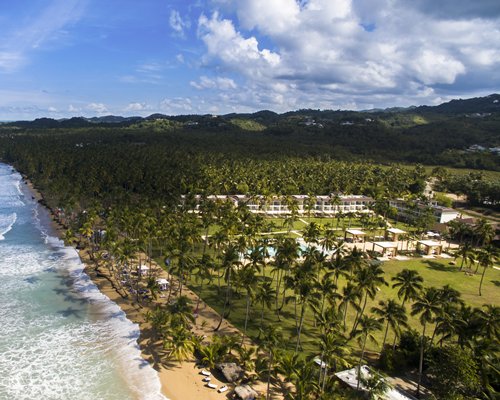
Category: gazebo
[388,248]
[430,247]
[393,234]
[162,283]
[356,234]
[143,269]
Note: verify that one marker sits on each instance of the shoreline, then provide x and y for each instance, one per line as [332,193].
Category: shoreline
[179,381]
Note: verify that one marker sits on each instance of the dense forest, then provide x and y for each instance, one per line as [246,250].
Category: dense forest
[117,183]
[307,151]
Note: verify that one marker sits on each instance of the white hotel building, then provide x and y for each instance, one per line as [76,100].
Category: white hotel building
[279,205]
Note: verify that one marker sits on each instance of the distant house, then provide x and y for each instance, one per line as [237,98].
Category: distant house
[406,211]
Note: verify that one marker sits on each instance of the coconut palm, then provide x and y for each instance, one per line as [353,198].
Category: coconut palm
[264,295]
[488,320]
[272,338]
[409,284]
[428,305]
[247,279]
[368,281]
[350,297]
[368,326]
[325,286]
[180,345]
[394,314]
[484,232]
[334,354]
[230,260]
[466,253]
[486,257]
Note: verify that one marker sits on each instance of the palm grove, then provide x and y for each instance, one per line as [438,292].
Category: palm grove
[295,305]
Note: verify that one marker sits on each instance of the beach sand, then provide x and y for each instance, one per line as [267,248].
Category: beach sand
[179,381]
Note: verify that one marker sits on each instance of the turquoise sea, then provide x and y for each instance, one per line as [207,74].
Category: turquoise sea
[60,338]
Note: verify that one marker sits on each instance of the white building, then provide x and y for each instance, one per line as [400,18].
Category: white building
[280,205]
[407,211]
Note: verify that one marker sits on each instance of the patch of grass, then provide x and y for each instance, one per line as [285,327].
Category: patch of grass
[248,124]
[435,273]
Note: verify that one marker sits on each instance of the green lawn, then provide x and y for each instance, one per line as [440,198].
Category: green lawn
[435,273]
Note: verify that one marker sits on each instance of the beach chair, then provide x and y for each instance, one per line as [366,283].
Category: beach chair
[205,372]
[222,389]
[212,385]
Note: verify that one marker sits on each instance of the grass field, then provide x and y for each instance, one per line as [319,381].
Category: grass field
[435,273]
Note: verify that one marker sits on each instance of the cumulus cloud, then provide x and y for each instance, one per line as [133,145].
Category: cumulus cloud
[178,105]
[136,107]
[99,108]
[217,83]
[344,52]
[177,24]
[240,54]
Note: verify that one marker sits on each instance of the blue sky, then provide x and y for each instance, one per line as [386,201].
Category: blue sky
[63,58]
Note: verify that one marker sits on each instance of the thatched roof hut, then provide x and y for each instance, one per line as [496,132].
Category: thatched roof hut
[245,392]
[231,371]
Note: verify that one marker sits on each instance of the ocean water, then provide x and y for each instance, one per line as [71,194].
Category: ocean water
[60,338]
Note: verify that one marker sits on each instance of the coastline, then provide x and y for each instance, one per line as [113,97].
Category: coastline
[179,381]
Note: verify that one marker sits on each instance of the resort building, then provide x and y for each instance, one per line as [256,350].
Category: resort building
[303,204]
[408,211]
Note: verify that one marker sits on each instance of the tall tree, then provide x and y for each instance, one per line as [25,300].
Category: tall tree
[428,305]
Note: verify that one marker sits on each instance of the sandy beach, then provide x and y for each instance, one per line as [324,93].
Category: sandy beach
[179,381]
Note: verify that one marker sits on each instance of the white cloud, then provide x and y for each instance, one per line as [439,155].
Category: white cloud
[217,83]
[335,52]
[99,108]
[136,107]
[433,67]
[10,60]
[235,51]
[178,105]
[46,26]
[177,24]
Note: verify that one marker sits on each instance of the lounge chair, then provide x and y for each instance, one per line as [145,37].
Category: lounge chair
[206,379]
[205,372]
[222,389]
[212,385]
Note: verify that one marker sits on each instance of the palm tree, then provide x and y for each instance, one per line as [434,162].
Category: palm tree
[409,284]
[368,327]
[486,257]
[180,345]
[368,280]
[394,314]
[428,305]
[350,297]
[229,261]
[484,232]
[466,252]
[334,354]
[209,354]
[272,338]
[312,232]
[488,320]
[247,279]
[337,267]
[264,295]
[287,253]
[205,265]
[356,260]
[325,287]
